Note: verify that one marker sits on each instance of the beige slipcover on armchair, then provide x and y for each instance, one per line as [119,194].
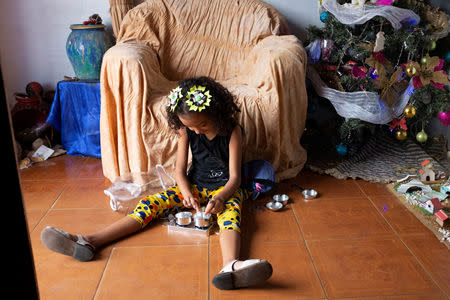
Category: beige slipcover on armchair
[236,42]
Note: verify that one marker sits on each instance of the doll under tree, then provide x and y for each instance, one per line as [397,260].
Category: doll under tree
[383,64]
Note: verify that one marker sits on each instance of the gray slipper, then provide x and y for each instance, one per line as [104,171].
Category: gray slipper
[59,241]
[254,271]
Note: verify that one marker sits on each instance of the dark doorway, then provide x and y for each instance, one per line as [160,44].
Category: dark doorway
[20,275]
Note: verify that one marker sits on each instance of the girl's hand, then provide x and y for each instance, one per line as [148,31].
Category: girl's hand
[191,202]
[215,206]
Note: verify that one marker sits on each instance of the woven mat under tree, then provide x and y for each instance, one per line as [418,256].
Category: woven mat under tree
[382,158]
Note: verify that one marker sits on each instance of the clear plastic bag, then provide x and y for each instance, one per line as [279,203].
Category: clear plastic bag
[128,189]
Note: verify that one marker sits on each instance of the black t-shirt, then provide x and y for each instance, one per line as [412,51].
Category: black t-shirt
[210,160]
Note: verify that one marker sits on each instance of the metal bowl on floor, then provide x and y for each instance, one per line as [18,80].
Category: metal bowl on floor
[274,206]
[309,194]
[183,218]
[282,198]
[306,193]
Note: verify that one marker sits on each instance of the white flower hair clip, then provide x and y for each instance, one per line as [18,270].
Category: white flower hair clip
[174,97]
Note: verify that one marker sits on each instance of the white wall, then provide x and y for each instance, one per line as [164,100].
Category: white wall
[298,13]
[33,36]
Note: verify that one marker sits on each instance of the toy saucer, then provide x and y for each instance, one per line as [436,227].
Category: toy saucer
[274,206]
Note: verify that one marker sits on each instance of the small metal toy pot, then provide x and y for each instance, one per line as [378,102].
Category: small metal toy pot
[274,205]
[306,193]
[202,220]
[282,198]
[309,194]
[183,218]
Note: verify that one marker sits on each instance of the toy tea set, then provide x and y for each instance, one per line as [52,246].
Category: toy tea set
[200,221]
[187,222]
[281,200]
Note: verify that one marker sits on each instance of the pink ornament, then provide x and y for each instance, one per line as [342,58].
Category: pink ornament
[384,2]
[444,117]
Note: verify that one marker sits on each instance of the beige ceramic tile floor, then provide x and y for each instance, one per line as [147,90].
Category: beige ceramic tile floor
[356,241]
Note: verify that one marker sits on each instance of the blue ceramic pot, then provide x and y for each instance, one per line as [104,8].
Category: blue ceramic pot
[85,47]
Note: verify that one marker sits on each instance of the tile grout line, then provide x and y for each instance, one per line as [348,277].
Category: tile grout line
[46,211]
[103,273]
[66,187]
[159,245]
[356,238]
[423,268]
[309,253]
[403,242]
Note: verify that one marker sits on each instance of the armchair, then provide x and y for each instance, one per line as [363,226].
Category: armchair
[239,44]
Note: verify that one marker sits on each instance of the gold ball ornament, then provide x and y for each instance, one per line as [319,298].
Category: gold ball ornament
[401,135]
[409,111]
[411,70]
[421,137]
[424,60]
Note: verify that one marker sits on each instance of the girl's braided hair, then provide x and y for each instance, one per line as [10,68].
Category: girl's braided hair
[222,109]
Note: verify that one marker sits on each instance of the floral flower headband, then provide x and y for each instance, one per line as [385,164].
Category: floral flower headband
[198,98]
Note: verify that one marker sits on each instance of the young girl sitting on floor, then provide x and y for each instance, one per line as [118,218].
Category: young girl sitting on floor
[204,114]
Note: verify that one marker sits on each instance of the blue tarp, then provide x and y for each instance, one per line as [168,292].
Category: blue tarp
[75,113]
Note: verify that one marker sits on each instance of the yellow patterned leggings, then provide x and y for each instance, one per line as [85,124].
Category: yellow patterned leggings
[166,202]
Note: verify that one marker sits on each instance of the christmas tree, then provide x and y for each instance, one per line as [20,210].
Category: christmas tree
[381,63]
